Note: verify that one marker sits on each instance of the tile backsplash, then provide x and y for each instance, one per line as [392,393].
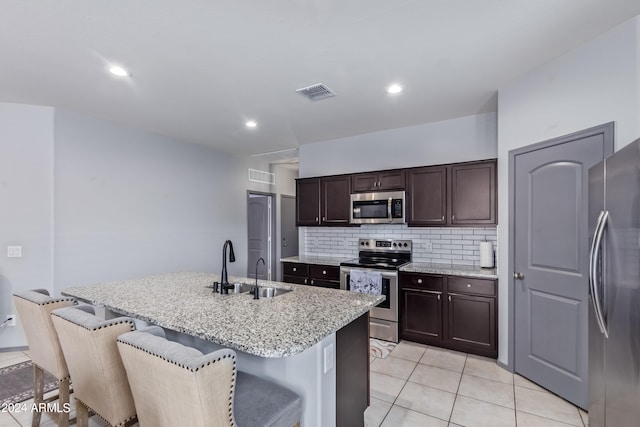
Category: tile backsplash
[446,245]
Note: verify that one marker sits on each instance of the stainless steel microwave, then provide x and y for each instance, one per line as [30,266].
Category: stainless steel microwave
[378,208]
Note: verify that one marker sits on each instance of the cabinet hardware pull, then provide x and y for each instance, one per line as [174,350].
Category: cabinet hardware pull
[468,285]
[295,269]
[305,281]
[443,217]
[438,297]
[324,271]
[316,218]
[322,218]
[312,281]
[449,298]
[419,280]
[453,217]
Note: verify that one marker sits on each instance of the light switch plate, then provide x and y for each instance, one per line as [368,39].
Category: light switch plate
[14,251]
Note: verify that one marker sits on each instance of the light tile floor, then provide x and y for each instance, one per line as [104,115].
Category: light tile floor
[425,386]
[422,386]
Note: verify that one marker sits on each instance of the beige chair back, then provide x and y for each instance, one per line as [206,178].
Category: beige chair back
[99,378]
[34,309]
[174,385]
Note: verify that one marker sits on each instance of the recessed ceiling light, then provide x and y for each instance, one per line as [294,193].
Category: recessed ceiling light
[251,124]
[394,88]
[118,71]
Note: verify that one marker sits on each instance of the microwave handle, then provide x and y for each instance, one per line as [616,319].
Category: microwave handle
[389,209]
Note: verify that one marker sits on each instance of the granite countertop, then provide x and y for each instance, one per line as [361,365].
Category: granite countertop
[451,270]
[267,327]
[321,260]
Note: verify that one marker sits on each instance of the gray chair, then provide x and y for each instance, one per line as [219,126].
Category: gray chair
[99,379]
[34,309]
[174,385]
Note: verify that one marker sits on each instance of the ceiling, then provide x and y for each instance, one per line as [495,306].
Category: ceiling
[201,69]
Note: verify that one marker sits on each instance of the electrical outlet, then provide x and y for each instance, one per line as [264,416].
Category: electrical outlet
[14,251]
[11,320]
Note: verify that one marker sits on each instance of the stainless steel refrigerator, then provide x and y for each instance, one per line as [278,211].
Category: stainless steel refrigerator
[614,290]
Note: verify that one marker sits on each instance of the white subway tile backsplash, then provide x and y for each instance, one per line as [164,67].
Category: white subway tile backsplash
[450,245]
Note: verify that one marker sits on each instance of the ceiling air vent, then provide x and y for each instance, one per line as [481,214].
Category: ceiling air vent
[316,92]
[262,177]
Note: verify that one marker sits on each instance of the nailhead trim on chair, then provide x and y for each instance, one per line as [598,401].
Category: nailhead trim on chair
[105,325]
[53,301]
[231,391]
[121,423]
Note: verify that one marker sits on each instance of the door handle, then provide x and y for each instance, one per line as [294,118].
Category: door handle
[595,297]
[518,276]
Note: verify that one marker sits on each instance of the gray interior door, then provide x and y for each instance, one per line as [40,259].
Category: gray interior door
[288,229]
[259,215]
[551,261]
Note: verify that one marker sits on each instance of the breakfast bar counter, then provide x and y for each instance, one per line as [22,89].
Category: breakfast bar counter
[311,340]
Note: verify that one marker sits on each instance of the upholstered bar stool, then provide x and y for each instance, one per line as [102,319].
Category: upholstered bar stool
[34,308]
[99,379]
[174,385]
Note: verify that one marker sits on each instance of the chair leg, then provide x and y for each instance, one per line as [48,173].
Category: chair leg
[82,414]
[63,402]
[38,394]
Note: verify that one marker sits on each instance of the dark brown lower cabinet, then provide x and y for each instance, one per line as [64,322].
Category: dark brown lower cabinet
[324,276]
[471,324]
[449,311]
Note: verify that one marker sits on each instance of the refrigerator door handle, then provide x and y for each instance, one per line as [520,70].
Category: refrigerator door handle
[591,258]
[594,265]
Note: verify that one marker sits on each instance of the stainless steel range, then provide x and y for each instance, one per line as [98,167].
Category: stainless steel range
[383,256]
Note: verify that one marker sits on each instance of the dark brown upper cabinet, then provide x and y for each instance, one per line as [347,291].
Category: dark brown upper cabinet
[427,196]
[473,193]
[323,201]
[461,194]
[378,181]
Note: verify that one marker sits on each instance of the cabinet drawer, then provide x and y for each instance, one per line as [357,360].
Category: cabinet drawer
[295,269]
[421,281]
[467,285]
[333,284]
[295,279]
[324,272]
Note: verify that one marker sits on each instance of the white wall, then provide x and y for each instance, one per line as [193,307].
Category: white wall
[26,203]
[91,201]
[457,140]
[591,85]
[130,203]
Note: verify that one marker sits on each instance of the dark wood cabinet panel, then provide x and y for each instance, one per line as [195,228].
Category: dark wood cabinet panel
[323,201]
[336,198]
[427,196]
[308,201]
[422,315]
[449,311]
[325,276]
[473,193]
[378,181]
[471,324]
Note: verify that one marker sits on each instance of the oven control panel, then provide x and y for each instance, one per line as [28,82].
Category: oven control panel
[384,245]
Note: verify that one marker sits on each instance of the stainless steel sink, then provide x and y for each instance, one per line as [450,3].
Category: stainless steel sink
[269,292]
[239,288]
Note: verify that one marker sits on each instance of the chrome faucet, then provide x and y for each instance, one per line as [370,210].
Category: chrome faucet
[224,280]
[256,289]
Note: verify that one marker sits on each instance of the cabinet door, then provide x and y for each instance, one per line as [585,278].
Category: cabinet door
[308,201]
[473,193]
[421,314]
[364,182]
[471,324]
[427,196]
[391,180]
[336,200]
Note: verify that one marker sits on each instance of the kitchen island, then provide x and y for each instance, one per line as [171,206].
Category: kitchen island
[311,340]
